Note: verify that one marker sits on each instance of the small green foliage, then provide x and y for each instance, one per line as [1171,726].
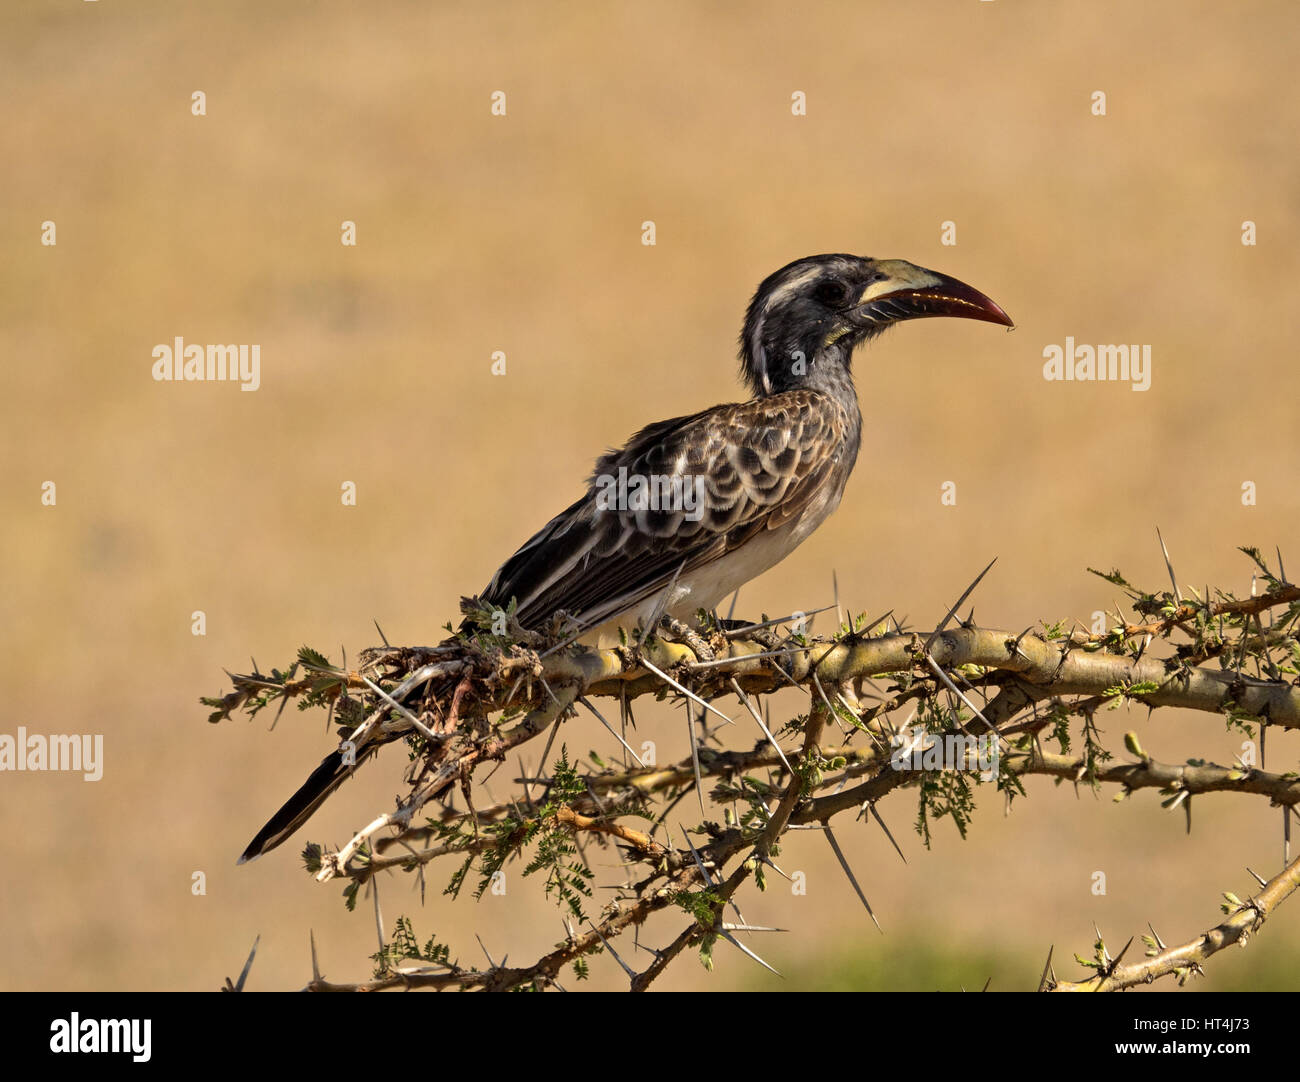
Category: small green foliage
[1274,583]
[404,947]
[704,906]
[253,693]
[1009,781]
[1100,962]
[754,793]
[1058,721]
[1142,602]
[481,620]
[945,793]
[1095,754]
[1115,578]
[793,727]
[1239,719]
[1135,690]
[567,879]
[313,659]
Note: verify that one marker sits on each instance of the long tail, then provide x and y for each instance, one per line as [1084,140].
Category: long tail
[332,772]
[327,777]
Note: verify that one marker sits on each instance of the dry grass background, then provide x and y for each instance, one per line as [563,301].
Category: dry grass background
[522,234]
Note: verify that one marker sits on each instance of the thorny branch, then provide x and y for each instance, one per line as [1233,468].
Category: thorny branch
[1243,919]
[1016,689]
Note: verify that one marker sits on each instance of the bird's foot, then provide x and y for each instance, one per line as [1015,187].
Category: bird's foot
[680,632]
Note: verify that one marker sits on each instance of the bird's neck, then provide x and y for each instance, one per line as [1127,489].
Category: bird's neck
[824,369]
[812,365]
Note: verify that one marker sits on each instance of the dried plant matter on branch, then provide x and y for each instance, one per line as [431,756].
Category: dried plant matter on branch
[940,713]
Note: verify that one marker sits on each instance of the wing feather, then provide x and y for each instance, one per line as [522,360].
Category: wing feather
[762,464]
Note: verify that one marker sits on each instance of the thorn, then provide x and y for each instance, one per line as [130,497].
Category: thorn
[822,692]
[740,946]
[1047,968]
[839,855]
[514,688]
[404,712]
[1258,879]
[740,694]
[587,703]
[739,632]
[871,805]
[986,984]
[695,757]
[1115,964]
[243,974]
[708,879]
[625,708]
[379,916]
[523,777]
[689,694]
[867,625]
[315,964]
[630,972]
[752,928]
[736,659]
[381,635]
[934,666]
[1160,943]
[960,601]
[731,612]
[546,751]
[1173,581]
[835,586]
[773,865]
[661,606]
[485,950]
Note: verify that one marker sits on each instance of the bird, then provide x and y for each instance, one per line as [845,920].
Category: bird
[692,508]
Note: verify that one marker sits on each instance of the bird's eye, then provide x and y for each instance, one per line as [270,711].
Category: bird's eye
[832,292]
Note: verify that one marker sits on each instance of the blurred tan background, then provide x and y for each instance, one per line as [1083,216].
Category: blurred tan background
[523,234]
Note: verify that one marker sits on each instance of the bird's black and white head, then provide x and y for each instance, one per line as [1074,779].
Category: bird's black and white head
[806,319]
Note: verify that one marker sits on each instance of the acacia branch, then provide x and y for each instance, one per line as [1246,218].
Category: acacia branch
[1027,682]
[1244,918]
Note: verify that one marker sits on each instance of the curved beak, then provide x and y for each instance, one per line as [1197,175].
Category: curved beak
[910,292]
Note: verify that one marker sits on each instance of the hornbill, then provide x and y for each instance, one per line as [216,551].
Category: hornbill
[753,478]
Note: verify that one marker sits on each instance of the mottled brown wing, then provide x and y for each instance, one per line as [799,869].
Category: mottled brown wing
[760,464]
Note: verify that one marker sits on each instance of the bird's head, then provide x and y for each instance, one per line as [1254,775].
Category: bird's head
[805,320]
